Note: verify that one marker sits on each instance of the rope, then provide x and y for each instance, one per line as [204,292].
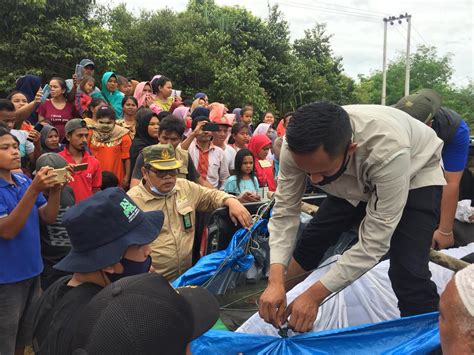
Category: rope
[258,217]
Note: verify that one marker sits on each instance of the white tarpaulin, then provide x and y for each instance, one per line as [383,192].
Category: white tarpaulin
[370,299]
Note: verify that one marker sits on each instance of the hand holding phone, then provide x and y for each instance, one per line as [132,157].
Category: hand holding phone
[79,167]
[210,127]
[79,71]
[46,92]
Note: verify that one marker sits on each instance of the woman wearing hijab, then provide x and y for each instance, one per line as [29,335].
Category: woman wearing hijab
[50,140]
[145,98]
[111,93]
[183,112]
[260,146]
[236,112]
[265,128]
[146,133]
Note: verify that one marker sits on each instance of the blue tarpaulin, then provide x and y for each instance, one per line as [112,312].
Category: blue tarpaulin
[411,335]
[207,265]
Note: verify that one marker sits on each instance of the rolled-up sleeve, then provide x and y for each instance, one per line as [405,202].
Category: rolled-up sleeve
[390,184]
[285,220]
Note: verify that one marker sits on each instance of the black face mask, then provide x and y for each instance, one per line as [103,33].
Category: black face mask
[131,268]
[328,179]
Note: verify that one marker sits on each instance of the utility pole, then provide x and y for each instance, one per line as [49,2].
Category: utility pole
[407,61]
[391,20]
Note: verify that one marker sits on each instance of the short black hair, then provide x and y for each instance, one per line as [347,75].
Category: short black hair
[106,111]
[172,124]
[109,179]
[6,105]
[319,124]
[4,131]
[162,115]
[199,119]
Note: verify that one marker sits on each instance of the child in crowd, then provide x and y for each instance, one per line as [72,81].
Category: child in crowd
[90,114]
[124,85]
[129,120]
[246,115]
[22,207]
[57,110]
[110,92]
[244,179]
[110,144]
[239,136]
[260,145]
[83,98]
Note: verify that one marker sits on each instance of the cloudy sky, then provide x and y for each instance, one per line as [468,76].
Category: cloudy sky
[357,27]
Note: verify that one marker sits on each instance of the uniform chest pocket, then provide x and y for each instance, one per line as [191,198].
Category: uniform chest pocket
[186,216]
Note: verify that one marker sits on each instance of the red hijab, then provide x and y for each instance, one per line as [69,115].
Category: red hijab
[264,175]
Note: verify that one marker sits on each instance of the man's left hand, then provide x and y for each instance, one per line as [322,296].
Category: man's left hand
[238,212]
[302,312]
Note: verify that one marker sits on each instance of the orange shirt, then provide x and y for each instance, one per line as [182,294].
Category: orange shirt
[111,155]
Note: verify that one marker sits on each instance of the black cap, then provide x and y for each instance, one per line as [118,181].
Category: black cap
[102,227]
[143,314]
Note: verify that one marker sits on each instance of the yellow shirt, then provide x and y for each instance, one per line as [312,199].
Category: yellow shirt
[172,250]
[165,106]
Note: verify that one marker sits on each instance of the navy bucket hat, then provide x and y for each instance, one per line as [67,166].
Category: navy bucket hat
[102,227]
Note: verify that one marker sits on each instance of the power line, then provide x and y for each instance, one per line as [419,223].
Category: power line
[420,36]
[332,11]
[345,8]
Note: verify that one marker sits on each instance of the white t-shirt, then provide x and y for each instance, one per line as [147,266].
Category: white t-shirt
[26,147]
[230,157]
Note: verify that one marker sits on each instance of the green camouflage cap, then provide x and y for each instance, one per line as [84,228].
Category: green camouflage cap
[161,157]
[422,105]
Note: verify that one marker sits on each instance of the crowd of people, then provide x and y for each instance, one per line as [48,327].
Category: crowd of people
[103,181]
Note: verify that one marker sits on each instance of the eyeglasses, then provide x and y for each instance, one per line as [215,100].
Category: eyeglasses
[164,173]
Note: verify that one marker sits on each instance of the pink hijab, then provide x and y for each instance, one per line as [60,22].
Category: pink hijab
[181,112]
[138,94]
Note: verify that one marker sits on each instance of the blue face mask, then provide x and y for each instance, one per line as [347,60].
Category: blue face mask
[131,268]
[156,191]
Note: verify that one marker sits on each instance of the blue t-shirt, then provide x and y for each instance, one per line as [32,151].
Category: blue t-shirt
[455,153]
[230,186]
[20,258]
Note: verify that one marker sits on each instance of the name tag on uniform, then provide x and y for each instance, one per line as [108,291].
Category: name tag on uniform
[187,221]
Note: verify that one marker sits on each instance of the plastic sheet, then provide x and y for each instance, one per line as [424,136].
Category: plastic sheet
[412,335]
[240,261]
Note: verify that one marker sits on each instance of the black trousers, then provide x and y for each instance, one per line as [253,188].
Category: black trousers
[409,246]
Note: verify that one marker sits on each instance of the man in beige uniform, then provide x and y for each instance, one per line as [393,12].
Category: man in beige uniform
[381,168]
[179,199]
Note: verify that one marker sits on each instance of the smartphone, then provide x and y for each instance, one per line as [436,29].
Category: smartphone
[38,127]
[79,71]
[211,127]
[46,92]
[79,167]
[62,174]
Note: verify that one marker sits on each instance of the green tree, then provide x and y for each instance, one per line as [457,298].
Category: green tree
[49,37]
[427,70]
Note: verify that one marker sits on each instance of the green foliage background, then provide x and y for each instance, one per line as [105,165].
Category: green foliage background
[225,51]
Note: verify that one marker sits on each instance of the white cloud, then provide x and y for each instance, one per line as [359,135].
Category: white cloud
[358,27]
